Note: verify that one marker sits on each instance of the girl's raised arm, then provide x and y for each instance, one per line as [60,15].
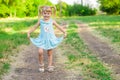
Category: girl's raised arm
[33,28]
[60,28]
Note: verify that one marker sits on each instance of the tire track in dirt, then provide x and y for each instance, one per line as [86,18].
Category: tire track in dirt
[25,66]
[107,54]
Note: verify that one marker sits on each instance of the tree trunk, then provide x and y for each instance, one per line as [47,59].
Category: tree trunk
[81,2]
[10,14]
[15,13]
[60,2]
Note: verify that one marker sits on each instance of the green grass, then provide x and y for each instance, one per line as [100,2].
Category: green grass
[107,26]
[6,66]
[92,68]
[111,33]
[90,19]
[17,25]
[12,35]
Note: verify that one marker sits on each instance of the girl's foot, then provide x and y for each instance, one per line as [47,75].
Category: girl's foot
[51,68]
[41,69]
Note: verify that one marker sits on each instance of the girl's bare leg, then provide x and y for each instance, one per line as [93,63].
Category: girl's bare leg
[41,64]
[40,56]
[50,57]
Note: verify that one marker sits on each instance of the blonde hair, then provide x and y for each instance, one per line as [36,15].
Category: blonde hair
[44,8]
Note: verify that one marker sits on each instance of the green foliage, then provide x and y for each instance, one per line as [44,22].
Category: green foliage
[6,66]
[23,8]
[71,58]
[80,10]
[63,7]
[4,10]
[75,10]
[110,6]
[20,8]
[1,55]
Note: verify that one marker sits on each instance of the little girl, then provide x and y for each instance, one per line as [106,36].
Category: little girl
[46,39]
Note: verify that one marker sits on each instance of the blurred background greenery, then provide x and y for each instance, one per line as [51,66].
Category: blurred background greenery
[29,8]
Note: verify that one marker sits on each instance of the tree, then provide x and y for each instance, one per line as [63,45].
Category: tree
[21,8]
[61,8]
[110,6]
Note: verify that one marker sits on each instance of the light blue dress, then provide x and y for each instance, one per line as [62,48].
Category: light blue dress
[46,39]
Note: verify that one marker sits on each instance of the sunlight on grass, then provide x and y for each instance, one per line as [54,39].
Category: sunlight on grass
[9,19]
[104,23]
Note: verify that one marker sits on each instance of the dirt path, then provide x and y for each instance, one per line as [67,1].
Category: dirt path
[101,49]
[25,67]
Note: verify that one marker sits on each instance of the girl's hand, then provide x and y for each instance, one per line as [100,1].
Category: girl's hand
[28,35]
[65,35]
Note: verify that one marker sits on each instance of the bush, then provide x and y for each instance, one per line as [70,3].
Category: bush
[80,10]
[110,6]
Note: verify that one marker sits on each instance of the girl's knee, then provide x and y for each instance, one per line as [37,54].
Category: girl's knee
[49,52]
[40,51]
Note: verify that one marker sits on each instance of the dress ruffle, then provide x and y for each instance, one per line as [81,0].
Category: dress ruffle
[46,43]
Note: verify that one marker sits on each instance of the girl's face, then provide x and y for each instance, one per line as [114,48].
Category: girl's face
[47,13]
